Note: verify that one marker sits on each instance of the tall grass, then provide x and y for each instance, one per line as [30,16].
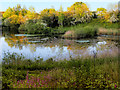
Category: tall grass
[91,29]
[76,73]
[81,32]
[104,31]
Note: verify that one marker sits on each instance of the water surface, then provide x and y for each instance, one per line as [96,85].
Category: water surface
[32,46]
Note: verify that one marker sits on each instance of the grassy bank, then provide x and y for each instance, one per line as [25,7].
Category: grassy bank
[91,29]
[81,30]
[75,73]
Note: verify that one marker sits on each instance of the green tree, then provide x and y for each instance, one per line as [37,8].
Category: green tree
[49,16]
[61,16]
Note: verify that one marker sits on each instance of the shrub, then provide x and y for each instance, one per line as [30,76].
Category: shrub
[49,16]
[22,27]
[34,26]
[68,19]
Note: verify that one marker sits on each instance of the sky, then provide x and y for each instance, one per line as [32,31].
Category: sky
[39,5]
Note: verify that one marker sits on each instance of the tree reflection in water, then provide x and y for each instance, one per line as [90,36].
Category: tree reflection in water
[32,46]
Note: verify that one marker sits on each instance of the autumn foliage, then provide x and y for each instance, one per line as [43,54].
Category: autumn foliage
[80,12]
[75,14]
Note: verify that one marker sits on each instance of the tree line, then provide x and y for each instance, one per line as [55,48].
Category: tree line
[30,21]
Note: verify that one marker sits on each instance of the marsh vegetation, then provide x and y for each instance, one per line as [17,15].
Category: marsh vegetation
[77,48]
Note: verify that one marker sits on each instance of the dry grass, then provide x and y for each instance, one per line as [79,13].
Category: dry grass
[108,31]
[69,34]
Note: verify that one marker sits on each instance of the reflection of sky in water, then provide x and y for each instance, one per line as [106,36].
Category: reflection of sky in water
[44,52]
[96,48]
[32,51]
[103,49]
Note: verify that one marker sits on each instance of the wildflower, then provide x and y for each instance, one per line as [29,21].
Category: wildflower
[29,86]
[21,82]
[27,76]
[42,82]
[42,85]
[38,79]
[18,82]
[27,81]
[14,85]
[74,83]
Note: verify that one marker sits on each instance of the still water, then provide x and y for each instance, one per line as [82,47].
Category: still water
[33,46]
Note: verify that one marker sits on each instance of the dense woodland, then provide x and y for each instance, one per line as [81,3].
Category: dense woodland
[49,21]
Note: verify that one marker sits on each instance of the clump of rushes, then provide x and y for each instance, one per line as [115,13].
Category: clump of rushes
[83,32]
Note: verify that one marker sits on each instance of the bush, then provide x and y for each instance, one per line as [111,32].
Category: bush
[22,27]
[34,26]
[49,16]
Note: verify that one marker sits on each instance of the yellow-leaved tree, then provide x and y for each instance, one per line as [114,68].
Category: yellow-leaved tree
[80,12]
[110,15]
[49,16]
[8,13]
[14,16]
[31,14]
[101,12]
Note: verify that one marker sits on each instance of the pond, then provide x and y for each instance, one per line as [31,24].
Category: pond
[34,46]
